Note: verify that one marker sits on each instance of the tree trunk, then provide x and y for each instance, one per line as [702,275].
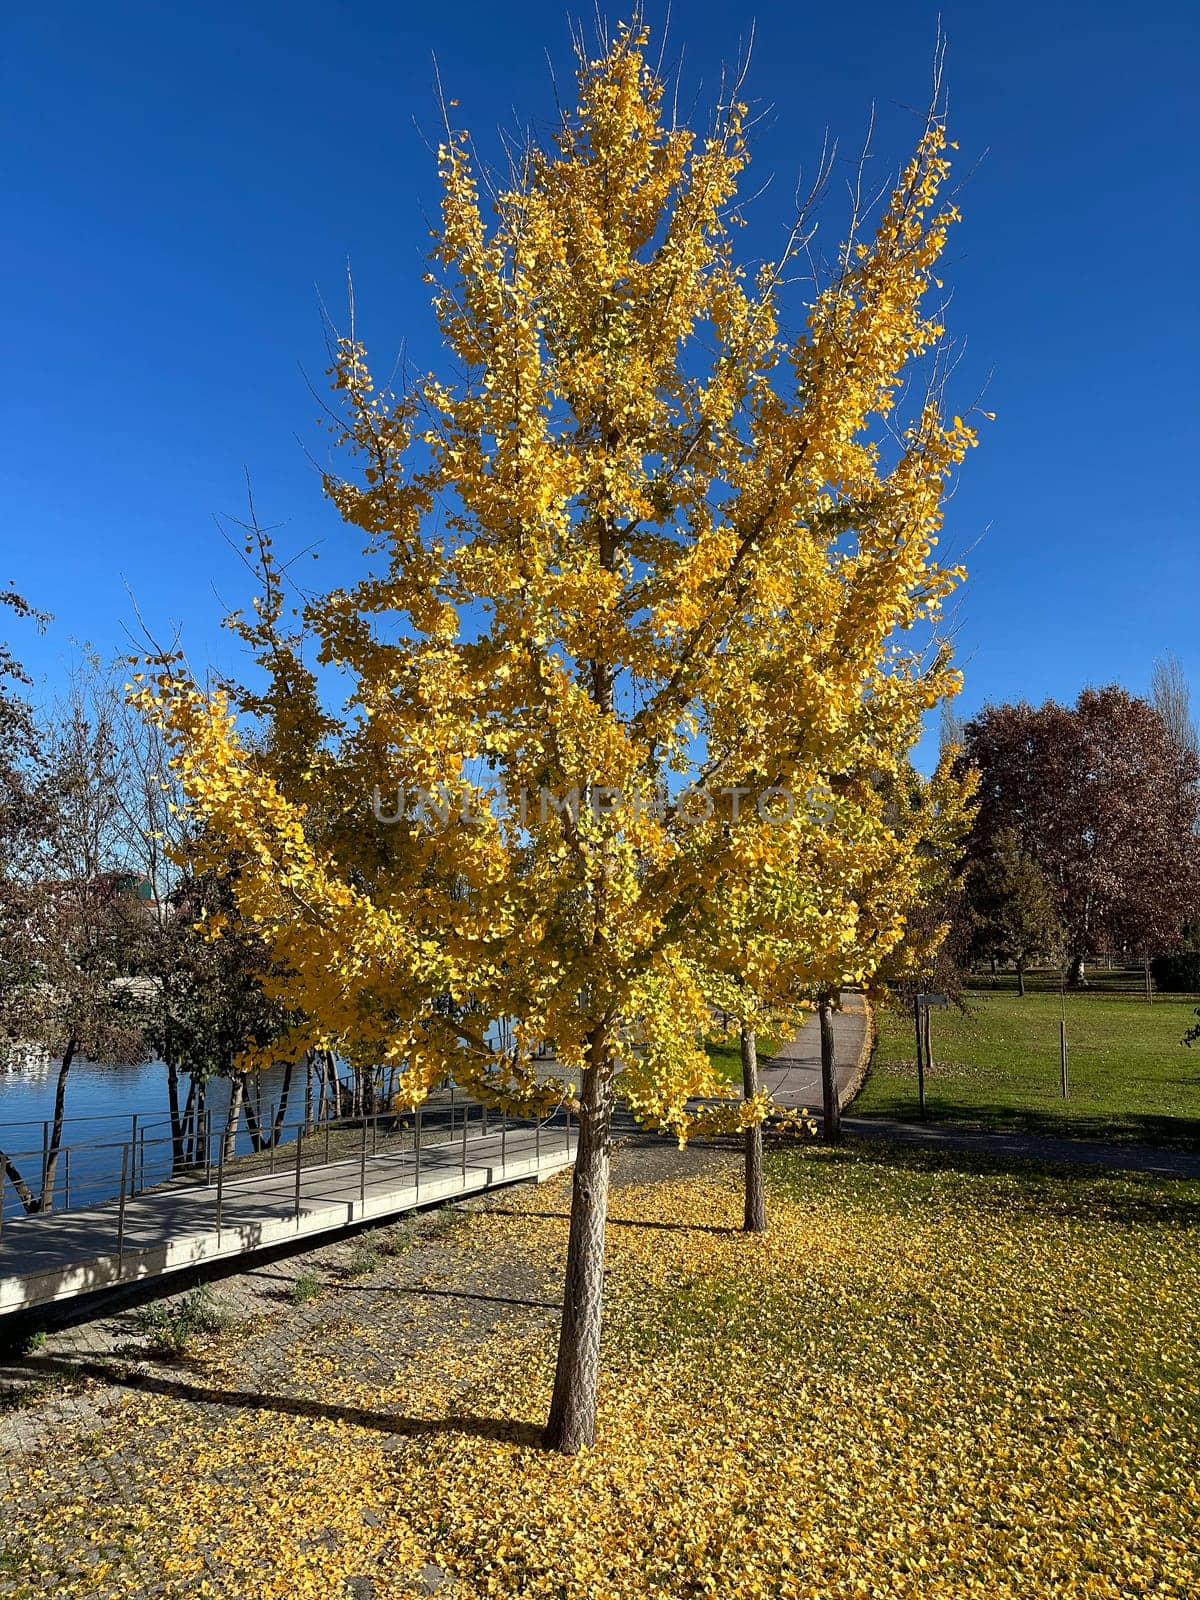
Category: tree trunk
[572,1422]
[1021,977]
[285,1092]
[831,1103]
[237,1093]
[250,1103]
[46,1202]
[1075,975]
[331,1086]
[198,1123]
[176,1115]
[755,1219]
[181,1142]
[24,1193]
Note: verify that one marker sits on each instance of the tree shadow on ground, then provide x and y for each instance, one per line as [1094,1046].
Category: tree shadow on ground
[1128,1129]
[497,1429]
[463,1294]
[613,1222]
[1033,1187]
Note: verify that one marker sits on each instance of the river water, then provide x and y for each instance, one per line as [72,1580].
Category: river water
[102,1102]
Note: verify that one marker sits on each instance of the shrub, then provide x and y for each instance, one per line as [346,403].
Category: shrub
[365,1258]
[1178,973]
[175,1327]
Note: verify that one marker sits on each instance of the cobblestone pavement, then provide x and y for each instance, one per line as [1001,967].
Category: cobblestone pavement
[52,1359]
[66,1373]
[63,1379]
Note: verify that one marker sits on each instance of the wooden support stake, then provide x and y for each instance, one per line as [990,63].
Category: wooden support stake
[920,1056]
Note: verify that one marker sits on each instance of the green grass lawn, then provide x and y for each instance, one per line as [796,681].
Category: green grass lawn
[997,1065]
[726,1055]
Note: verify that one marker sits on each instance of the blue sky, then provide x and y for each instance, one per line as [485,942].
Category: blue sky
[185,182]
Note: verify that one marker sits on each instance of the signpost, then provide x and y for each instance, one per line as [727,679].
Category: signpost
[922,1005]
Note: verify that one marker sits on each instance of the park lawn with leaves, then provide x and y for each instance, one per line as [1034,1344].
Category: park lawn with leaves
[933,1377]
[997,1064]
[726,1055]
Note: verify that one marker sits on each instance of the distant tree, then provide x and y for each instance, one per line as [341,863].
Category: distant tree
[1172,700]
[931,952]
[202,1004]
[1102,798]
[951,726]
[1011,906]
[212,1009]
[85,926]
[24,817]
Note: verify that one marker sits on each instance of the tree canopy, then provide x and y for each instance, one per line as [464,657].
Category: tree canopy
[647,575]
[1104,800]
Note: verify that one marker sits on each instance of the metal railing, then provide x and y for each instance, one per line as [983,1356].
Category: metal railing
[422,1137]
[69,1190]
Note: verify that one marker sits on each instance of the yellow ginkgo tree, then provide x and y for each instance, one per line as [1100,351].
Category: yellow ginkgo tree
[645,574]
[836,911]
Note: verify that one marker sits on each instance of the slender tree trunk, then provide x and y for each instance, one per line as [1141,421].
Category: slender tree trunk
[251,1107]
[333,1088]
[1021,977]
[755,1217]
[198,1123]
[176,1115]
[46,1201]
[285,1093]
[237,1093]
[309,1068]
[572,1423]
[180,1142]
[831,1102]
[24,1193]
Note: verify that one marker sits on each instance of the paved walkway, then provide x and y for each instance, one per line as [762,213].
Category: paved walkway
[793,1074]
[57,1257]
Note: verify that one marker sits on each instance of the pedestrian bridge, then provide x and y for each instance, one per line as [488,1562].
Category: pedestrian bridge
[424,1160]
